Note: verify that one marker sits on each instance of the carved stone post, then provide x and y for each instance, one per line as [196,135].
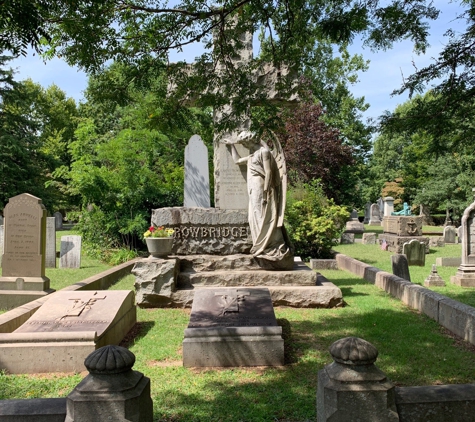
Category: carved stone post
[112,391]
[352,388]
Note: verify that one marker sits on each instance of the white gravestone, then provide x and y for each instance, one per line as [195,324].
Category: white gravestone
[70,252]
[388,206]
[449,234]
[50,253]
[196,174]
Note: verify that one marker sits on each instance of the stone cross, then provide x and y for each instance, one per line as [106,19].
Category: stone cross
[80,305]
[230,185]
[231,300]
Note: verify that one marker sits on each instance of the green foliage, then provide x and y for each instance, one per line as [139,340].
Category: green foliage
[314,222]
[127,157]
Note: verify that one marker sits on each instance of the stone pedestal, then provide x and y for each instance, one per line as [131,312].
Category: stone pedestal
[233,327]
[352,388]
[112,391]
[434,279]
[173,282]
[465,276]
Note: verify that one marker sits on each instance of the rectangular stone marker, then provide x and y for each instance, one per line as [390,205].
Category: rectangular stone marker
[69,326]
[24,244]
[50,256]
[197,192]
[70,252]
[375,217]
[450,234]
[233,327]
[59,220]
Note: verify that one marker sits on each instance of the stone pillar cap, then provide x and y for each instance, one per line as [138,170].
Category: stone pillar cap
[110,360]
[353,351]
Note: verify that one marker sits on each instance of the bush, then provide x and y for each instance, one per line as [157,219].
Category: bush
[313,221]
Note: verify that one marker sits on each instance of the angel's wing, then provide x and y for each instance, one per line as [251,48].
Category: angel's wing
[279,158]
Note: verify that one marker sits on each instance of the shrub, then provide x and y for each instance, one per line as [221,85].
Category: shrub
[313,221]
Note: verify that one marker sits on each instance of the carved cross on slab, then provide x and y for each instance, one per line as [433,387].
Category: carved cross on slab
[230,300]
[80,305]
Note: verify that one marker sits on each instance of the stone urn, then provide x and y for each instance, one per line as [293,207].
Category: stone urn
[159,247]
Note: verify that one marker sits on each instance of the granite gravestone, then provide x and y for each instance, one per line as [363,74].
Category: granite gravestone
[400,266]
[70,252]
[375,216]
[24,245]
[59,220]
[367,212]
[196,192]
[69,326]
[415,252]
[233,327]
[449,234]
[50,254]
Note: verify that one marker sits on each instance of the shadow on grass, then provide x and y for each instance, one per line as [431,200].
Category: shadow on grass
[412,351]
[139,330]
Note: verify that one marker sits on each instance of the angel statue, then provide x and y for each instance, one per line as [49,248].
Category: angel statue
[266,186]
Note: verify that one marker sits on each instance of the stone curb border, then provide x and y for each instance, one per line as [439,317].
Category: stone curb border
[11,320]
[455,316]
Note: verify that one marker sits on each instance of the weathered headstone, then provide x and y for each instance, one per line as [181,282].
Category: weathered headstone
[375,215]
[437,241]
[24,244]
[354,225]
[460,234]
[415,252]
[233,327]
[449,234]
[367,212]
[434,279]
[347,238]
[354,215]
[1,220]
[69,326]
[59,220]
[388,206]
[400,266]
[50,255]
[369,239]
[380,203]
[70,252]
[197,192]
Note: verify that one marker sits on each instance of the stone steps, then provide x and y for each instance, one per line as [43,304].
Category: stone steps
[199,263]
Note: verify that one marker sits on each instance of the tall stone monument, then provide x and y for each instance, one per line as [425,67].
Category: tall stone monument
[196,174]
[23,277]
[465,275]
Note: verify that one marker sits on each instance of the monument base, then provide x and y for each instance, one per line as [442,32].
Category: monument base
[10,299]
[233,327]
[158,285]
[24,283]
[464,277]
[396,242]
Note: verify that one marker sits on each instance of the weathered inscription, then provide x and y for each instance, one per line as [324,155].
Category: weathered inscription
[184,232]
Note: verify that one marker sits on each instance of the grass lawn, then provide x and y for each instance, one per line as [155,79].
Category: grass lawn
[413,350]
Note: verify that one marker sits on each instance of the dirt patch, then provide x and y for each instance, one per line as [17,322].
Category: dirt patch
[164,363]
[458,341]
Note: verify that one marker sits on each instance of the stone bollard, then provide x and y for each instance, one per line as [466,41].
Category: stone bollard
[112,391]
[352,388]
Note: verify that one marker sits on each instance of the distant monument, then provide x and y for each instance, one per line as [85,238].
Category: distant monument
[23,260]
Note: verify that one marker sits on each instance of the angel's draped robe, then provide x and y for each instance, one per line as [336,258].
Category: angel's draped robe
[267,238]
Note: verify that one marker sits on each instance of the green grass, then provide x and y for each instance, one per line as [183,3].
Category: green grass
[413,350]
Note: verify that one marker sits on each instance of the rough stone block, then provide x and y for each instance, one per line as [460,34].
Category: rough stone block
[347,238]
[323,264]
[369,239]
[33,410]
[448,261]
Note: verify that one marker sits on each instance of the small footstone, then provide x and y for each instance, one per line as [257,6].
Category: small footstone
[434,279]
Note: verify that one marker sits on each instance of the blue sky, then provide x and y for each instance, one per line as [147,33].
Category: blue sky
[384,75]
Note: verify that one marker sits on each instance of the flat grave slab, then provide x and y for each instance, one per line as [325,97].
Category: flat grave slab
[233,327]
[66,329]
